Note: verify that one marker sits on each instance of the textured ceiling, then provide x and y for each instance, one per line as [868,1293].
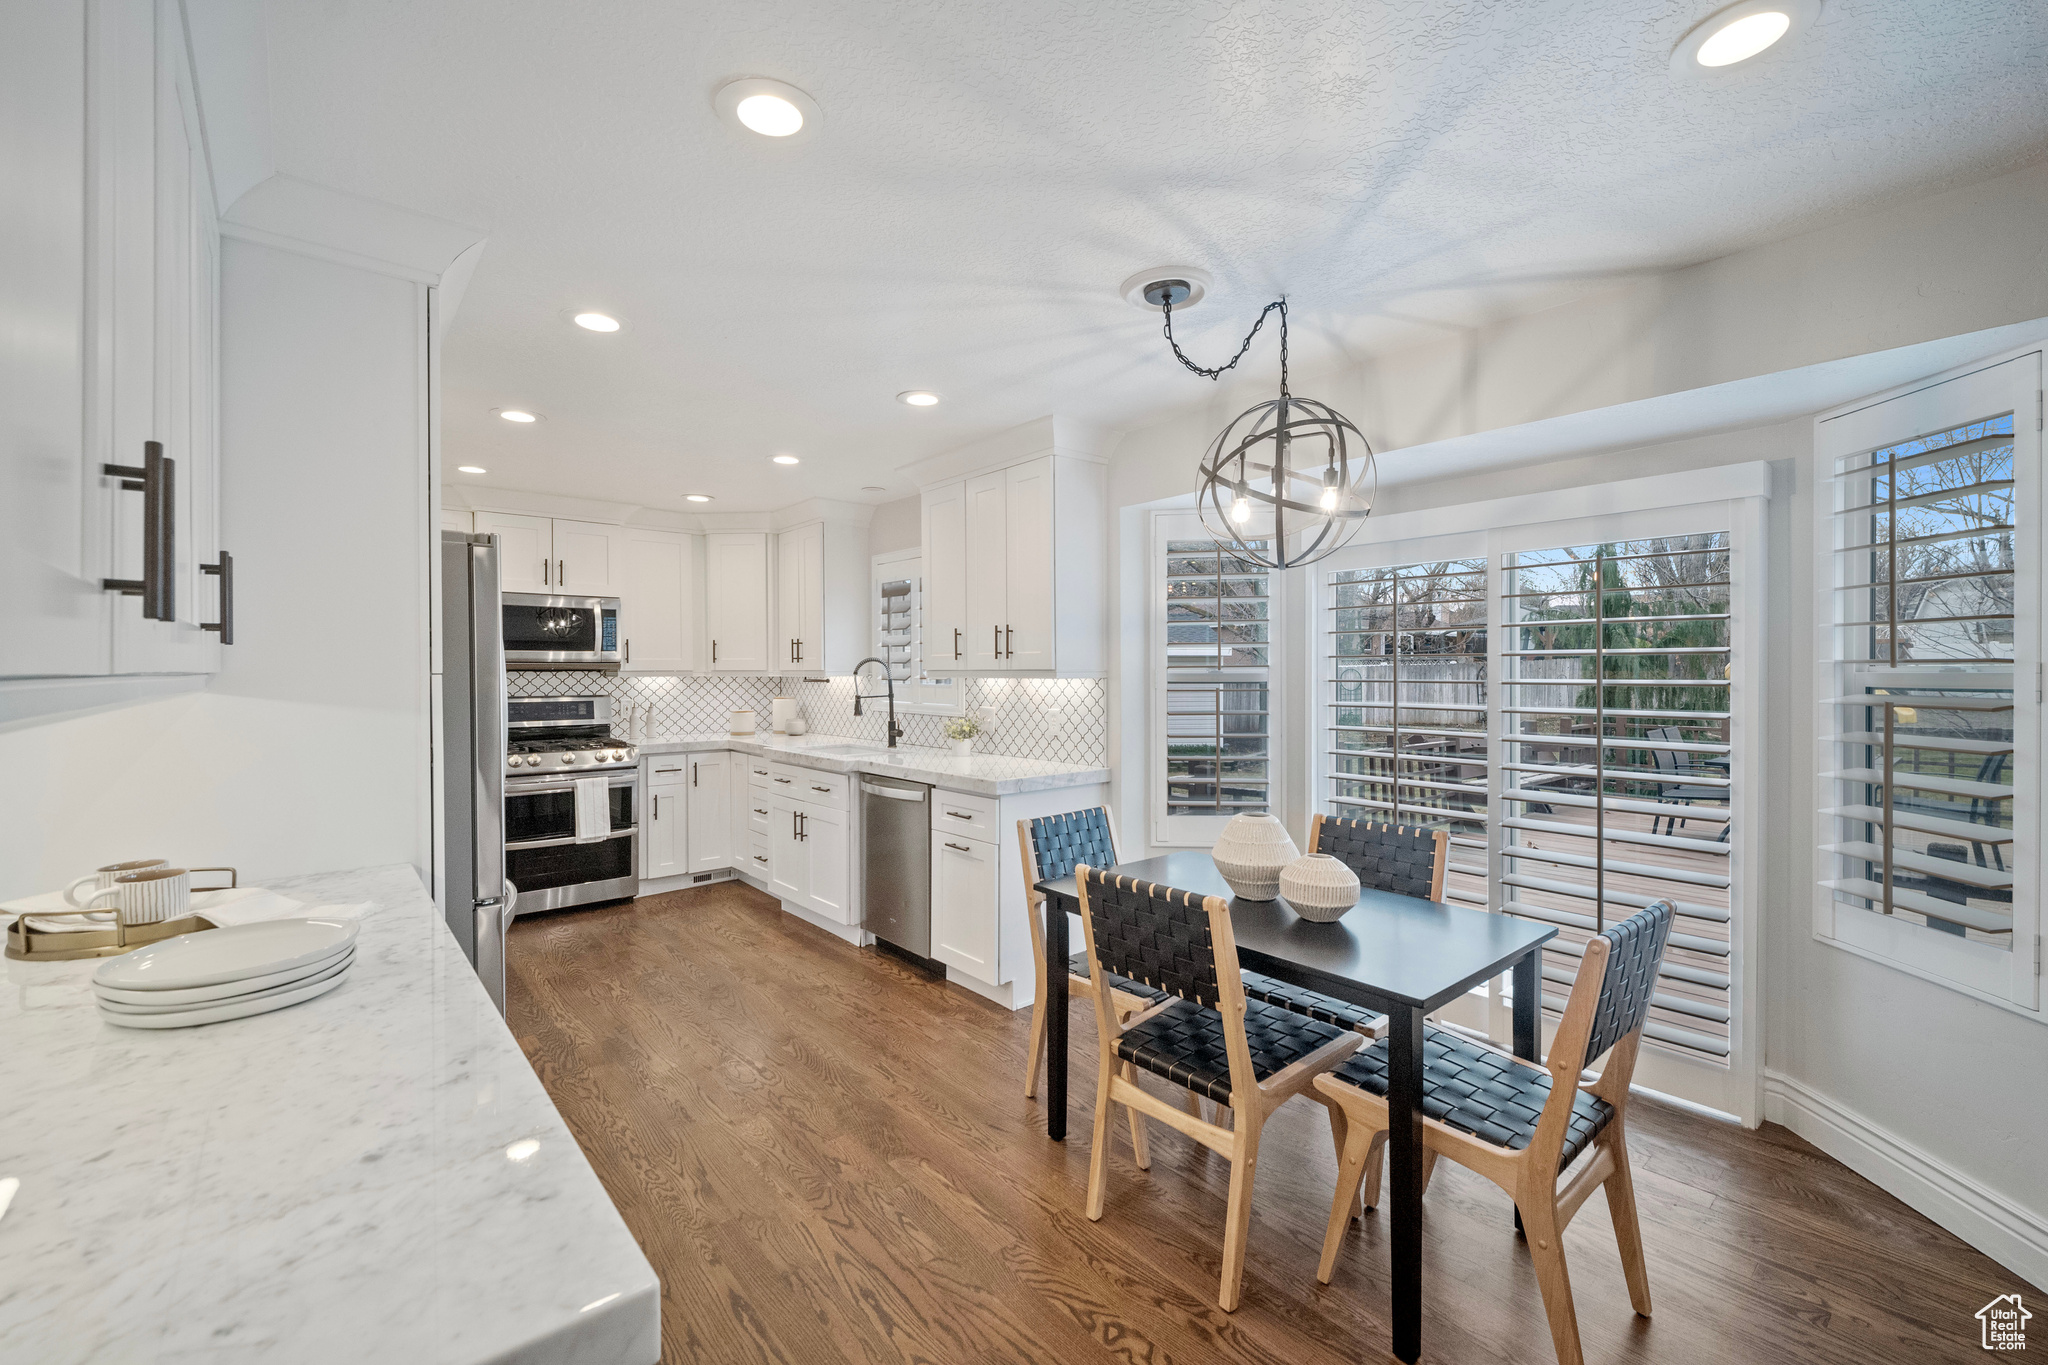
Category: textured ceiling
[986,174]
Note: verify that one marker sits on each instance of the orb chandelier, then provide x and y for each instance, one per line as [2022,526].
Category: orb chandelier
[1287,482]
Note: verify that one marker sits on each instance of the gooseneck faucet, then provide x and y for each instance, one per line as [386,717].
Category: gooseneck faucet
[895,730]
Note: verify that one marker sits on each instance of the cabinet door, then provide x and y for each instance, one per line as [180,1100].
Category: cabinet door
[658,604]
[789,599]
[664,839]
[526,550]
[823,833]
[590,558]
[945,577]
[810,635]
[739,809]
[710,812]
[789,867]
[964,906]
[987,559]
[736,600]
[1028,552]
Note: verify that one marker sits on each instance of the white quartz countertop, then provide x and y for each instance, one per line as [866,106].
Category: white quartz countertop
[981,774]
[374,1175]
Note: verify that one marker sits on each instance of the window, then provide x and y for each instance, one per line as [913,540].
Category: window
[1930,579]
[1407,706]
[1617,771]
[1215,687]
[899,638]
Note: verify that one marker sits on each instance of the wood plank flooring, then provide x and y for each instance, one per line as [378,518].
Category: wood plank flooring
[828,1157]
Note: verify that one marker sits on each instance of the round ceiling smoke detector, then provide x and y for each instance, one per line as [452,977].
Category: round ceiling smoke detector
[1186,285]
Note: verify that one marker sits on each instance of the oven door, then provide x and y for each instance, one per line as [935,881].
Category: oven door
[560,632]
[543,857]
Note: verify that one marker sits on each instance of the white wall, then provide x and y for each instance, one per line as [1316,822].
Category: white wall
[897,525]
[309,750]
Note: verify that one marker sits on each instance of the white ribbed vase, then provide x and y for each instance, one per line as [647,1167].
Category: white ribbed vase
[1319,887]
[1251,854]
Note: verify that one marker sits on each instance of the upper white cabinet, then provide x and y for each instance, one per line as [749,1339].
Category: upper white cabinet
[736,601]
[548,554]
[658,601]
[526,550]
[1014,563]
[821,598]
[109,288]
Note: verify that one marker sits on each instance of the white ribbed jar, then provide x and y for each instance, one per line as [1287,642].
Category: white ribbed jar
[1251,854]
[1319,887]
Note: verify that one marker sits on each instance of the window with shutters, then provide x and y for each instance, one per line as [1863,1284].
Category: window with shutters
[1213,694]
[1930,607]
[1617,773]
[899,637]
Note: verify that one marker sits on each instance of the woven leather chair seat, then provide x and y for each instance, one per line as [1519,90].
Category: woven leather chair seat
[1314,1004]
[1077,965]
[1184,1043]
[1479,1091]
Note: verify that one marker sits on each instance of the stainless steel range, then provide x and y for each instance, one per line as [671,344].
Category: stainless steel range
[556,856]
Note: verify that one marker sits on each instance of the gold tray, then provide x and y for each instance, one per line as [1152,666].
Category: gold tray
[46,945]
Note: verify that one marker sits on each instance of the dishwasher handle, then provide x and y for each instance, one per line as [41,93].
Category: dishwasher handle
[893,793]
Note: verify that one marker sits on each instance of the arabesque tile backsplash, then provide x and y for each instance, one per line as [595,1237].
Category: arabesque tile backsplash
[1061,720]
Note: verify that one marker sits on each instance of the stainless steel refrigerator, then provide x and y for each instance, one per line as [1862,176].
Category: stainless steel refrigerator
[476,898]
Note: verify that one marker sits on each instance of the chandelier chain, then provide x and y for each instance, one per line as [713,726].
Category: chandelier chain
[1166,306]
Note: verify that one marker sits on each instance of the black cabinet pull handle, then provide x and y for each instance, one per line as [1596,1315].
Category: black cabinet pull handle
[156,480]
[962,847]
[225,571]
[956,642]
[1007,651]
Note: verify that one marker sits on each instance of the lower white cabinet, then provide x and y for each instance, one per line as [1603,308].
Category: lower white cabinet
[966,904]
[810,856]
[664,840]
[710,804]
[789,863]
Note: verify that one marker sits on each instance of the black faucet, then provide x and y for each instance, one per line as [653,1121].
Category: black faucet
[895,730]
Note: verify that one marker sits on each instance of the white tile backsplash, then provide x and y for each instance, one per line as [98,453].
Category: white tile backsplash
[1060,720]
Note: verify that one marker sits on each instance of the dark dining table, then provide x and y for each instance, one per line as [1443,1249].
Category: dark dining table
[1399,955]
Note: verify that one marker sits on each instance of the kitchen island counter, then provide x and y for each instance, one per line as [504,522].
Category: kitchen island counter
[375,1174]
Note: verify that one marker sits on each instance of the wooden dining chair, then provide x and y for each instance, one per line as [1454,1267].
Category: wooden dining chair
[1519,1126]
[1207,1036]
[1052,846]
[1394,858]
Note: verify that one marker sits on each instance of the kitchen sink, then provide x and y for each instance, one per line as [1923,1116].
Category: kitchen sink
[845,750]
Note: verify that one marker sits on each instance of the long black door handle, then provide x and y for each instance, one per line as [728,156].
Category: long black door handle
[156,481]
[225,571]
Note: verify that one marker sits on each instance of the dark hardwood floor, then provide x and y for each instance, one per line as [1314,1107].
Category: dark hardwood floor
[827,1156]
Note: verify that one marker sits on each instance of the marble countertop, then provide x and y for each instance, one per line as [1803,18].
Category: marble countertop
[980,774]
[375,1174]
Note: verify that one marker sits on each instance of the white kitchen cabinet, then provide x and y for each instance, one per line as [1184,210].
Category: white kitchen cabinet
[526,550]
[810,845]
[658,602]
[965,905]
[1028,559]
[590,558]
[945,576]
[738,808]
[664,833]
[829,849]
[452,520]
[736,601]
[789,862]
[710,803]
[821,598]
[110,288]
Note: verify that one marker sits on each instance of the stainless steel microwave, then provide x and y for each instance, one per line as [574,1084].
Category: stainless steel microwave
[561,632]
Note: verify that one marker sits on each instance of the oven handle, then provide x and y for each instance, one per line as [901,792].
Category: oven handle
[515,787]
[557,843]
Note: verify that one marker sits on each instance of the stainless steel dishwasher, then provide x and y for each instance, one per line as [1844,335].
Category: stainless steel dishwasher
[896,877]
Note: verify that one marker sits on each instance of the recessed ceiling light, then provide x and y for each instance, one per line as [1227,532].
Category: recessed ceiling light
[517,415]
[597,322]
[772,109]
[917,398]
[873,488]
[787,459]
[696,497]
[1733,35]
[471,469]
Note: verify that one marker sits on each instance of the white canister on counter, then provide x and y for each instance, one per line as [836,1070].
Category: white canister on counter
[740,722]
[781,711]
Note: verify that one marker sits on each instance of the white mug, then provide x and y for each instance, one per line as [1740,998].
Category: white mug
[149,897]
[102,878]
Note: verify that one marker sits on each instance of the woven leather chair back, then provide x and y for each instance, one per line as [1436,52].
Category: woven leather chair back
[1060,843]
[1395,858]
[1154,934]
[1636,947]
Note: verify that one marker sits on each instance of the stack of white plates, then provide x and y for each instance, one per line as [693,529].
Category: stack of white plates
[230,973]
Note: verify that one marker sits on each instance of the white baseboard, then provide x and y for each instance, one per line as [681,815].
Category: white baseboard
[2013,1236]
[1004,995]
[852,933]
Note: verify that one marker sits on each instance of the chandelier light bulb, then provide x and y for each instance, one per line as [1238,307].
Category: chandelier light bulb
[1240,507]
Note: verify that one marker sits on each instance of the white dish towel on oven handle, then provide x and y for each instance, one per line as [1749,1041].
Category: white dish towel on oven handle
[593,809]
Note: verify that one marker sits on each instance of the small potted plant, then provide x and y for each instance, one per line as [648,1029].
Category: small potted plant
[962,730]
